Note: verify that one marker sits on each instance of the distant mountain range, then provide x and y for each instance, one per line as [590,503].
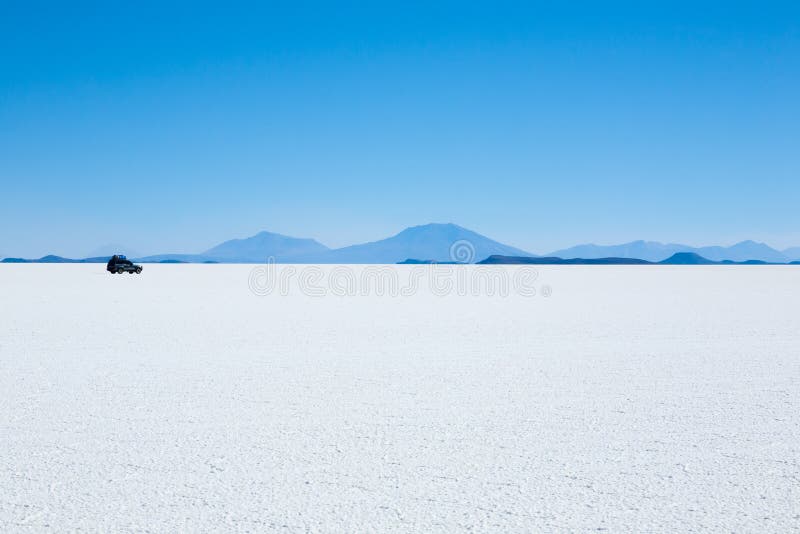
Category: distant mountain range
[439,243]
[654,251]
[255,249]
[435,242]
[55,259]
[264,245]
[679,258]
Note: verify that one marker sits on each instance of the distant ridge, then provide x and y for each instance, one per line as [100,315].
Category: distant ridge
[792,253]
[679,258]
[263,245]
[643,250]
[655,251]
[436,242]
[412,261]
[255,249]
[55,259]
[449,243]
[550,260]
[173,258]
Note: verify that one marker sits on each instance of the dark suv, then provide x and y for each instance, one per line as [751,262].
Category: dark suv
[120,264]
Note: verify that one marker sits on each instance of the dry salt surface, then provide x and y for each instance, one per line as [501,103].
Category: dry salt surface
[633,399]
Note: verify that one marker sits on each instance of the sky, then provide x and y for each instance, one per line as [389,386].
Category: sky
[173,126]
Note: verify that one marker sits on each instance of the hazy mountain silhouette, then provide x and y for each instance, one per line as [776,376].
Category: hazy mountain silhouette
[440,243]
[552,260]
[262,246]
[51,258]
[174,258]
[792,253]
[679,258]
[433,242]
[255,249]
[655,251]
[644,250]
[744,251]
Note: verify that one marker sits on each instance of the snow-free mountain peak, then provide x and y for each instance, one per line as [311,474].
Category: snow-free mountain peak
[441,242]
[262,246]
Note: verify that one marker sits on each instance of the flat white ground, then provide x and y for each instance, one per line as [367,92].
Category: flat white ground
[634,399]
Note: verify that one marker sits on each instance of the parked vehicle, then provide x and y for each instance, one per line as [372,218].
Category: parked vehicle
[120,264]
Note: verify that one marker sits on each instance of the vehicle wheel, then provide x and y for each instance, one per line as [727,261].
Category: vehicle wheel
[120,270]
[139,270]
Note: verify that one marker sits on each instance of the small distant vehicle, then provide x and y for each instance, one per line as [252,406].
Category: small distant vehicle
[120,264]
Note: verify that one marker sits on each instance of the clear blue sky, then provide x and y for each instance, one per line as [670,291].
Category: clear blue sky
[542,125]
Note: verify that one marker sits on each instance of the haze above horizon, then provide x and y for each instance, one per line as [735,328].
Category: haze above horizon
[177,127]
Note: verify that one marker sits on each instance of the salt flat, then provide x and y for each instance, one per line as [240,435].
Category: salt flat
[648,399]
